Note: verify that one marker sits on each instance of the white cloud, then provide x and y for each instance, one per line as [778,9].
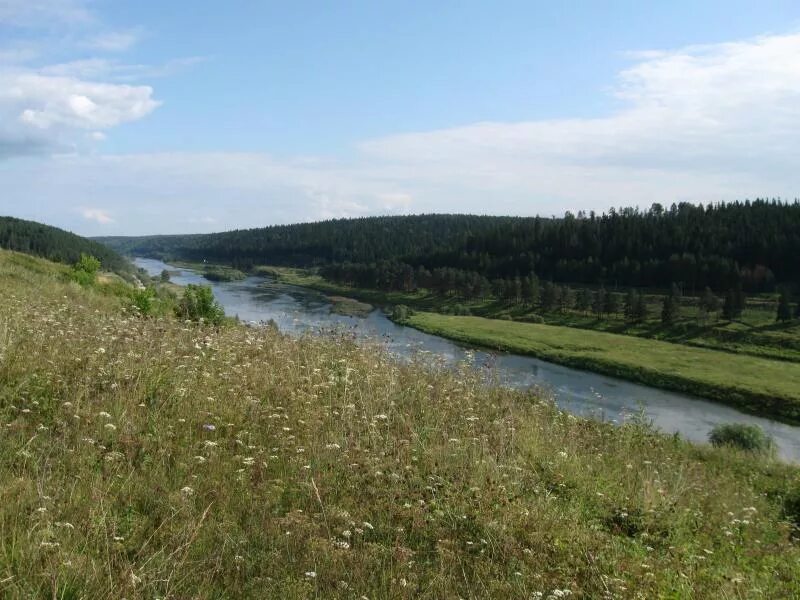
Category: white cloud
[720,107]
[114,41]
[41,113]
[39,13]
[45,101]
[115,70]
[97,215]
[97,136]
[395,201]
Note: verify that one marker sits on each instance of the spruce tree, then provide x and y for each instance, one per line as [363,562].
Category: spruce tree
[729,306]
[630,305]
[671,306]
[583,302]
[611,303]
[784,312]
[599,302]
[640,313]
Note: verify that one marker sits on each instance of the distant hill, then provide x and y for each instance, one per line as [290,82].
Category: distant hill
[755,244]
[56,244]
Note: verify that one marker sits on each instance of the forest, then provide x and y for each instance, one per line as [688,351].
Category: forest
[749,245]
[55,244]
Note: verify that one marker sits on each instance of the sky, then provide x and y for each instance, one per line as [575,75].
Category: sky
[130,118]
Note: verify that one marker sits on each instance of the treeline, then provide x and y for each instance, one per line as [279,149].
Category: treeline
[752,244]
[531,293]
[56,244]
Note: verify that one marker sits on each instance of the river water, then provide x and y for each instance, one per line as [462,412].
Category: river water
[298,310]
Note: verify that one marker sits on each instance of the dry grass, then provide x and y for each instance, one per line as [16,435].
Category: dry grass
[148,458]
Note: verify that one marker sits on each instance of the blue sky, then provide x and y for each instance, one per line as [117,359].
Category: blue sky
[146,117]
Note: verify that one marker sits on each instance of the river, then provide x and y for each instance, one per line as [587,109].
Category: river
[298,310]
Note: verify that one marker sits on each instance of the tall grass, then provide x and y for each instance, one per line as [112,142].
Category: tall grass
[152,458]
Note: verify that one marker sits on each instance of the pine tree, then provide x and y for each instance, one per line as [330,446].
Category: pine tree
[567,298]
[549,299]
[708,301]
[641,308]
[611,304]
[630,305]
[729,306]
[599,302]
[583,302]
[784,312]
[739,300]
[671,306]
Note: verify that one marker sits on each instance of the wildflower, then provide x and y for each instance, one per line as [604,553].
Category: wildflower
[311,574]
[187,491]
[209,427]
[110,426]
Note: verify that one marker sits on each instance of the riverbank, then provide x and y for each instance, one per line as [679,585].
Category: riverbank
[148,457]
[757,384]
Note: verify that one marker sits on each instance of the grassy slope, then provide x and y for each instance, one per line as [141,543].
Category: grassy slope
[760,385]
[333,472]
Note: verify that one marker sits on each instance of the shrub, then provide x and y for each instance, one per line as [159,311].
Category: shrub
[400,313]
[198,304]
[741,436]
[461,310]
[85,270]
[143,300]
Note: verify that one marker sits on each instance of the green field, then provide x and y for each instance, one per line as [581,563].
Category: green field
[146,457]
[762,386]
[752,363]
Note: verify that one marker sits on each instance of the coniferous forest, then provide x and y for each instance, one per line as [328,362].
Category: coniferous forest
[55,244]
[752,246]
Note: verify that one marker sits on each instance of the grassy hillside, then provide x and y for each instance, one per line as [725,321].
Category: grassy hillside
[56,244]
[764,387]
[145,458]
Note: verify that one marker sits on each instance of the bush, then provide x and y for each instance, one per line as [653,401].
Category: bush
[198,304]
[400,313]
[461,310]
[143,300]
[85,270]
[741,436]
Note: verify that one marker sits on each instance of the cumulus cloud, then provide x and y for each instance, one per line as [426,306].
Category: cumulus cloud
[97,215]
[39,112]
[44,101]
